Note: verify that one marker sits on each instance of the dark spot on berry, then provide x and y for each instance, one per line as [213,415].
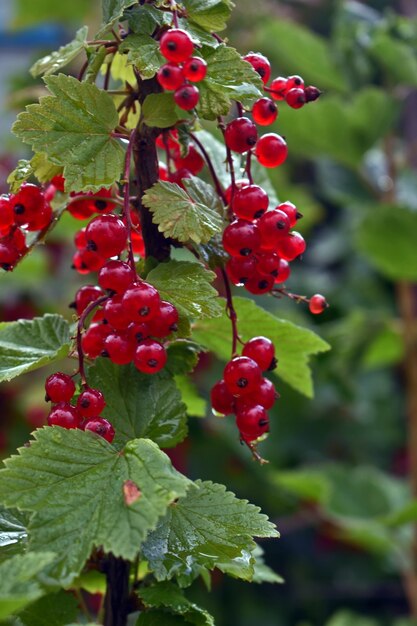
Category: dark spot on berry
[272,365]
[171,45]
[274,273]
[7,267]
[245,251]
[152,362]
[100,205]
[251,141]
[242,382]
[297,81]
[104,353]
[166,72]
[144,311]
[72,305]
[263,284]
[259,214]
[261,71]
[173,328]
[298,215]
[19,209]
[139,336]
[85,403]
[194,67]
[263,422]
[100,429]
[47,398]
[91,246]
[280,225]
[272,107]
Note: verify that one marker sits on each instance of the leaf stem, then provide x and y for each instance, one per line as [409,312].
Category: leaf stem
[210,166]
[126,199]
[231,311]
[80,325]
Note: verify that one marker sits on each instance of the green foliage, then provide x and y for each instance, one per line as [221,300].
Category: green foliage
[73,128]
[71,479]
[54,609]
[28,12]
[56,60]
[112,12]
[143,52]
[26,345]
[196,405]
[13,534]
[159,110]
[211,16]
[169,597]
[396,58]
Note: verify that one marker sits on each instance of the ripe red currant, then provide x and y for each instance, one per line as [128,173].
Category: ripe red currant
[240,135]
[116,276]
[100,426]
[290,211]
[6,215]
[259,284]
[260,64]
[26,203]
[118,347]
[265,395]
[187,97]
[242,375]
[170,76]
[294,82]
[317,304]
[64,415]
[262,351]
[165,321]
[92,341]
[85,295]
[283,272]
[252,422]
[273,226]
[241,238]
[250,202]
[106,235]
[268,263]
[86,261]
[271,150]
[90,402]
[193,161]
[176,45]
[295,98]
[240,269]
[222,400]
[115,313]
[264,112]
[9,255]
[150,356]
[292,246]
[278,88]
[311,93]
[59,387]
[142,302]
[195,69]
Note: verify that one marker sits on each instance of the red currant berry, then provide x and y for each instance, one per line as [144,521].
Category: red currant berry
[292,246]
[241,238]
[137,332]
[193,161]
[283,272]
[86,261]
[106,235]
[18,239]
[168,140]
[115,313]
[222,400]
[28,201]
[273,226]
[278,88]
[9,255]
[176,45]
[59,387]
[195,69]
[261,350]
[291,212]
[271,150]
[187,97]
[90,402]
[150,356]
[116,276]
[294,82]
[260,64]
[58,182]
[317,304]
[242,375]
[85,296]
[162,171]
[268,264]
[241,135]
[264,112]
[178,176]
[92,341]
[252,422]
[42,218]
[259,284]
[142,302]
[241,182]
[311,93]
[240,269]
[265,395]
[80,240]
[250,202]
[295,98]
[6,215]
[118,348]
[165,322]
[64,415]
[102,427]
[80,209]
[170,76]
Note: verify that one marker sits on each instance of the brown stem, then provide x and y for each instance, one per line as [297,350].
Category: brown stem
[231,311]
[210,165]
[116,601]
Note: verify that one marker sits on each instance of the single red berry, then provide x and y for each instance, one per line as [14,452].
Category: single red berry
[178,176]
[6,215]
[80,209]
[317,304]
[100,426]
[150,356]
[241,238]
[294,82]
[241,182]
[265,395]
[90,402]
[242,375]
[290,211]
[115,313]
[168,140]
[278,88]
[261,350]
[176,45]
[187,97]
[195,69]
[222,400]
[85,296]
[241,135]
[119,348]
[86,261]
[295,98]
[59,387]
[80,240]
[9,255]
[292,246]
[283,272]
[106,235]
[142,302]
[252,422]
[137,332]
[264,112]
[26,203]
[240,269]
[259,284]
[273,226]
[193,161]
[268,263]
[260,64]
[92,341]
[311,93]
[271,150]
[165,321]
[64,415]
[42,218]
[170,76]
[18,239]
[250,202]
[116,276]
[58,182]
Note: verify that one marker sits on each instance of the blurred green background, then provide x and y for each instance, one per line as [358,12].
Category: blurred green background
[337,482]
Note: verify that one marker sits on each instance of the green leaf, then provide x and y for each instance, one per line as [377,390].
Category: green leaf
[20,584]
[27,12]
[13,534]
[112,12]
[158,110]
[54,61]
[43,169]
[228,78]
[191,214]
[19,175]
[26,345]
[168,596]
[211,15]
[396,58]
[210,528]
[55,609]
[293,344]
[143,52]
[386,349]
[92,581]
[196,405]
[73,128]
[263,573]
[71,479]
[144,19]
[156,618]
[191,291]
[139,405]
[182,356]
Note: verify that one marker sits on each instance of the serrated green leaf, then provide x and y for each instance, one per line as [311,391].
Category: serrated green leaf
[156,617]
[396,58]
[71,479]
[211,15]
[182,356]
[20,585]
[159,110]
[207,528]
[13,534]
[190,291]
[112,12]
[54,609]
[53,62]
[19,175]
[26,345]
[196,405]
[143,53]
[293,345]
[73,128]
[43,169]
[168,596]
[228,78]
[139,405]
[191,214]
[144,19]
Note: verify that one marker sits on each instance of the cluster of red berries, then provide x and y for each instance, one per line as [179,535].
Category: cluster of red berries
[84,414]
[182,68]
[26,211]
[245,392]
[178,167]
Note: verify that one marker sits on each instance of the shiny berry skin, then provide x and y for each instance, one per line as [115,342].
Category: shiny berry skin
[116,276]
[292,246]
[294,82]
[106,235]
[261,350]
[64,415]
[187,97]
[241,135]
[240,269]
[165,321]
[260,64]
[80,240]
[278,88]
[142,302]
[59,387]
[311,93]
[290,211]
[90,402]
[268,264]
[26,203]
[259,284]
[283,272]
[193,161]
[178,176]
[6,215]
[295,98]
[264,112]
[170,76]
[252,422]
[114,312]
[42,218]
[18,239]
[9,255]
[317,304]
[250,202]
[100,426]
[195,69]
[273,226]
[119,348]
[85,296]
[92,341]
[86,261]
[222,400]
[265,395]
[241,238]
[137,332]
[242,375]
[176,45]
[271,150]
[150,357]
[241,182]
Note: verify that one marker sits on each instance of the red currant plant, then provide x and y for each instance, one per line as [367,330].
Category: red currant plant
[94,488]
